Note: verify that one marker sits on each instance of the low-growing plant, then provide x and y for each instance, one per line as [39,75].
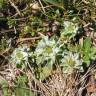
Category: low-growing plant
[50,51]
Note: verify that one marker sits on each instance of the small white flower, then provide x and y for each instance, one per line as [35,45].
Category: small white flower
[70,62]
[20,54]
[69,31]
[46,50]
[70,27]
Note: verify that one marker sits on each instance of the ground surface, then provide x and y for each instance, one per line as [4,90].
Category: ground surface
[47,48]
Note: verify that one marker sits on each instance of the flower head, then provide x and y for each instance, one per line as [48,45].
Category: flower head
[46,50]
[70,62]
[20,54]
[69,31]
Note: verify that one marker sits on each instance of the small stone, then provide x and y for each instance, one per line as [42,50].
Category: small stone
[35,7]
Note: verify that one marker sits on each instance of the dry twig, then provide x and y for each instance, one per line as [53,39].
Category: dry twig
[15,7]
